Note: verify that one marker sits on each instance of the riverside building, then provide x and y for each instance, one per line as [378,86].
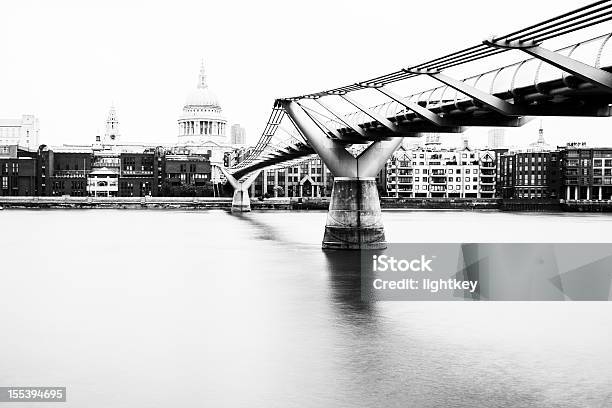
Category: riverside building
[434,172]
[17,171]
[531,173]
[587,174]
[311,178]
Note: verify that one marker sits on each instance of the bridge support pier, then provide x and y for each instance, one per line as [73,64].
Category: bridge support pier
[240,201]
[354,220]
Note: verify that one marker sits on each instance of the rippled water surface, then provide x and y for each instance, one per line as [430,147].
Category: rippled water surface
[130,308]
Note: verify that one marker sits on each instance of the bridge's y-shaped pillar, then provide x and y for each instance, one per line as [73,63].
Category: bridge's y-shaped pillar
[354,219]
[241,201]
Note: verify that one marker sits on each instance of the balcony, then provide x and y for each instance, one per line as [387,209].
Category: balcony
[71,173]
[137,173]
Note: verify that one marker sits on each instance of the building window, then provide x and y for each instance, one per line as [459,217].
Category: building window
[129,163]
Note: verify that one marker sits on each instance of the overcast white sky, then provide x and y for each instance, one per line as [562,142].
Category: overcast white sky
[68,61]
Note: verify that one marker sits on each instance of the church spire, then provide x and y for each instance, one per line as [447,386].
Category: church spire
[541,134]
[111,135]
[202,78]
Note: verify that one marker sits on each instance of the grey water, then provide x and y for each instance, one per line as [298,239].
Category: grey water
[154,308]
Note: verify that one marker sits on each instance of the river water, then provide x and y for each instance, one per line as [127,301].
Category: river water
[154,308]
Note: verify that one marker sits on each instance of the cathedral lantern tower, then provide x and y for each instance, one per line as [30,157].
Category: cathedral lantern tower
[202,121]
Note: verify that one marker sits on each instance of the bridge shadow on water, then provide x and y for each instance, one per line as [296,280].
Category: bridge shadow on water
[343,270]
[263,231]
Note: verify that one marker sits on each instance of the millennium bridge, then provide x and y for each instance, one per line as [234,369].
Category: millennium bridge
[575,80]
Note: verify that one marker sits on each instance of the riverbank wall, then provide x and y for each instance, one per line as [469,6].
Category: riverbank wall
[314,203]
[441,203]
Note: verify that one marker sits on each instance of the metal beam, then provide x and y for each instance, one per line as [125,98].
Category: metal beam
[339,161]
[333,132]
[493,120]
[415,107]
[598,77]
[344,138]
[379,118]
[493,102]
[356,128]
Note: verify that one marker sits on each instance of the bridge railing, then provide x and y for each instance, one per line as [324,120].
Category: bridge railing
[506,80]
[505,83]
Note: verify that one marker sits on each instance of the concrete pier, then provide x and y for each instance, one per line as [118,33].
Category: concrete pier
[354,218]
[240,201]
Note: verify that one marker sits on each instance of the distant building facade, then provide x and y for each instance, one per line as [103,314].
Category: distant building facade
[587,172]
[496,139]
[532,173]
[64,171]
[140,173]
[22,132]
[429,172]
[188,170]
[310,178]
[17,171]
[238,135]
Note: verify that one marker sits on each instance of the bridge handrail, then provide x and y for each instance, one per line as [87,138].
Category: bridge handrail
[358,117]
[583,17]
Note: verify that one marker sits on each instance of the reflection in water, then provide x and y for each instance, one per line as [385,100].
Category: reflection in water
[343,268]
[262,230]
[189,308]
